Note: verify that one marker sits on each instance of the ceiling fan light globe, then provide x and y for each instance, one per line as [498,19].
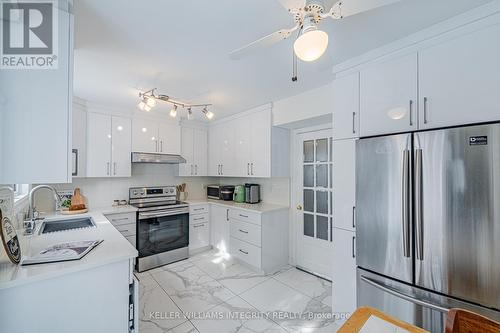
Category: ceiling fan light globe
[311,45]
[141,105]
[147,108]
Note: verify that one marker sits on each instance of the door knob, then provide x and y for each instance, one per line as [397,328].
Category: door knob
[299,207]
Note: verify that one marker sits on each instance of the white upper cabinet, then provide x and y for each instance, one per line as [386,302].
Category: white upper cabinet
[169,136]
[214,150]
[459,80]
[388,96]
[121,146]
[345,101]
[35,115]
[79,140]
[98,145]
[194,150]
[344,183]
[150,136]
[144,135]
[108,146]
[200,151]
[260,151]
[187,146]
[248,146]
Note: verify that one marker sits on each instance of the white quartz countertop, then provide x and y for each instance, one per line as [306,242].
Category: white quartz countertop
[260,207]
[113,249]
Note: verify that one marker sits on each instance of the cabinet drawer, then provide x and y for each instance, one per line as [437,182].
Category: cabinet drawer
[244,216]
[120,219]
[198,209]
[248,253]
[247,232]
[131,239]
[199,235]
[126,229]
[196,219]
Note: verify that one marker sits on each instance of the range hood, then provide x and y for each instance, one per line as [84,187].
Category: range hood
[157,158]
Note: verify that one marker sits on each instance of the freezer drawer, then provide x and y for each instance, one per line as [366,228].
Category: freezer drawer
[383,206]
[457,212]
[408,303]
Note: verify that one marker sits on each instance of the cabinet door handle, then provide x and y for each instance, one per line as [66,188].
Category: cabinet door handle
[197,209]
[425,110]
[251,168]
[411,112]
[196,169]
[227,214]
[114,168]
[248,169]
[191,169]
[107,169]
[353,246]
[199,218]
[243,231]
[124,230]
[244,252]
[156,146]
[353,216]
[120,219]
[245,216]
[222,169]
[161,146]
[199,226]
[354,123]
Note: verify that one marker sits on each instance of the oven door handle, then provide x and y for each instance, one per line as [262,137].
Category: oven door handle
[163,213]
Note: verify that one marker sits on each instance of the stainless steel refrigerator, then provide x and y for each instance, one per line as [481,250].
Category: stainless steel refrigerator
[428,223]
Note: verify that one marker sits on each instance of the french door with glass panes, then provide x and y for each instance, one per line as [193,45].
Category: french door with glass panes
[314,207]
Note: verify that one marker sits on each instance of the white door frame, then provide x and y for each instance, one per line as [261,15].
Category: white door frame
[295,195]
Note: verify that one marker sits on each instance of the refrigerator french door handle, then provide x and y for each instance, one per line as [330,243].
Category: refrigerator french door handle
[418,205]
[401,295]
[406,203]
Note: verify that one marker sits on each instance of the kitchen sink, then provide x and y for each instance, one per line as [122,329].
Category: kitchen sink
[49,226]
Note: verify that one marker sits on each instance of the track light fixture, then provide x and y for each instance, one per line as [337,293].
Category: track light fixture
[149,100]
[173,112]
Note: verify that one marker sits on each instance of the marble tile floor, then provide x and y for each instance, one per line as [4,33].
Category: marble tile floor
[212,293]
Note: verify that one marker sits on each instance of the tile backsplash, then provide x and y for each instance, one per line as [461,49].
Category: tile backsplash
[101,192]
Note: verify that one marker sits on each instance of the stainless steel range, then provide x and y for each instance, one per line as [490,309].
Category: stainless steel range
[162,226]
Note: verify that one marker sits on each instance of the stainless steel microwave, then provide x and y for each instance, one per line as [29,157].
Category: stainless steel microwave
[213,191]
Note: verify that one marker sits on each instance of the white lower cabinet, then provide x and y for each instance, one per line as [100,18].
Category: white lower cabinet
[257,238]
[126,224]
[344,272]
[199,227]
[219,232]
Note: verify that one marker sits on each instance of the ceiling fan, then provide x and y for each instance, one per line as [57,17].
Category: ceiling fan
[311,42]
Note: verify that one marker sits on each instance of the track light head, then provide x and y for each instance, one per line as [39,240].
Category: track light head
[207,113]
[173,112]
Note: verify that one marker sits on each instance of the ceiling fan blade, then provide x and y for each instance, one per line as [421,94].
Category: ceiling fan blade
[353,7]
[263,42]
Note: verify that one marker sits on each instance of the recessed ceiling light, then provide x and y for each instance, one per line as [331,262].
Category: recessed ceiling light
[144,130]
[120,128]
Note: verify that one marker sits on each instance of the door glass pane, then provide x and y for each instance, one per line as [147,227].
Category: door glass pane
[331,149]
[322,150]
[321,175]
[331,229]
[330,172]
[308,175]
[309,201]
[322,227]
[309,151]
[309,225]
[322,202]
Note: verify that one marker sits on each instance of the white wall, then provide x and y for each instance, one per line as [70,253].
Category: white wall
[302,107]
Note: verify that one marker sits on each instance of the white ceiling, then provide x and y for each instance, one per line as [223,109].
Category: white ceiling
[181,47]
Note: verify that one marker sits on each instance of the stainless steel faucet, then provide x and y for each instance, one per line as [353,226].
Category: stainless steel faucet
[30,224]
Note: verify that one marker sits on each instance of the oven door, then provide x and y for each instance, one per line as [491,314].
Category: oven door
[162,231]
